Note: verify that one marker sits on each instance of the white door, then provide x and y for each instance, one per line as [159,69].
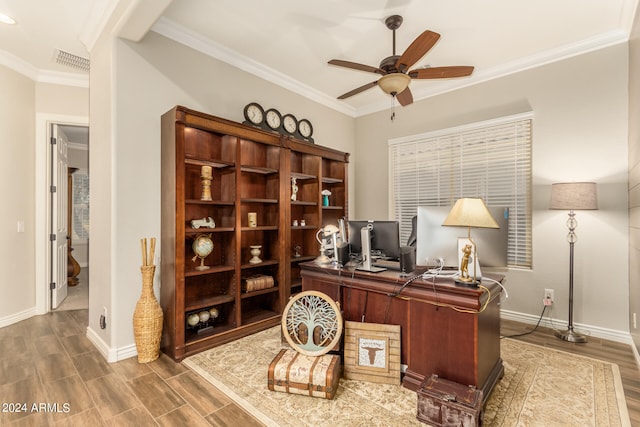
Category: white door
[59,220]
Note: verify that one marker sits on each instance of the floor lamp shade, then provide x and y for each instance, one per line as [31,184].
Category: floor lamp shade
[572,196]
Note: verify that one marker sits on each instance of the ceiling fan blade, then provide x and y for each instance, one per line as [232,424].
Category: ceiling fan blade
[405,97]
[358,90]
[356,66]
[417,49]
[441,72]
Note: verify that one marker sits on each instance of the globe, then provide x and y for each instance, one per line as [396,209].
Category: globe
[202,247]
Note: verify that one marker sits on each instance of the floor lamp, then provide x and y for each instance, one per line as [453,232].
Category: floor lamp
[572,196]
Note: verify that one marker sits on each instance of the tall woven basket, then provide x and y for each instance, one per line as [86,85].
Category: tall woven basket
[147,317]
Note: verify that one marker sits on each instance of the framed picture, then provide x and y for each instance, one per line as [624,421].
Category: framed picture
[372,352]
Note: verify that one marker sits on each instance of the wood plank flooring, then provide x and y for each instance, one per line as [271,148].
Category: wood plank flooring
[47,360]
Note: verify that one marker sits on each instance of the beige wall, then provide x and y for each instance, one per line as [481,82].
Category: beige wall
[634,179]
[24,178]
[580,133]
[17,180]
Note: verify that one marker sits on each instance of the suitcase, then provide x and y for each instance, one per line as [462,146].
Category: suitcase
[296,373]
[446,403]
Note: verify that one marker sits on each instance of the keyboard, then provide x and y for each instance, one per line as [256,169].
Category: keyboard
[387,263]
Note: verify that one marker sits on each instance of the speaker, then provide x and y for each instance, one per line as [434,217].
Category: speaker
[407,260]
[343,253]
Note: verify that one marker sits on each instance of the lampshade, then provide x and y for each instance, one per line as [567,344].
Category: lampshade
[574,196]
[394,83]
[470,212]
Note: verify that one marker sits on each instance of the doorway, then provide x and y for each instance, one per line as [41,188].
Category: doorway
[69,217]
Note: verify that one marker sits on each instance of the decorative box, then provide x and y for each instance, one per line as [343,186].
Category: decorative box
[446,403]
[296,373]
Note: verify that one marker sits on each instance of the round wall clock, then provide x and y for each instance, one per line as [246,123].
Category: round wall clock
[254,113]
[273,118]
[305,128]
[289,123]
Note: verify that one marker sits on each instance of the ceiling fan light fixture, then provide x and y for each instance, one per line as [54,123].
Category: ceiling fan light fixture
[394,83]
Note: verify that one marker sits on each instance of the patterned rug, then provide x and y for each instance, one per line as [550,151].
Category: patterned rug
[540,387]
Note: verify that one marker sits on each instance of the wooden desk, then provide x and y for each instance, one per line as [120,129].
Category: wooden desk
[447,330]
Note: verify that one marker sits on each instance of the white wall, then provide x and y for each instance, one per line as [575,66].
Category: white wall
[579,133]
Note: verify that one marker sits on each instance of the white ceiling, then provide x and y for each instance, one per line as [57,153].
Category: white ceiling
[290,41]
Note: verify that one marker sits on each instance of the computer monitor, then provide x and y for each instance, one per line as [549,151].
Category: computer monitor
[385,237]
[436,241]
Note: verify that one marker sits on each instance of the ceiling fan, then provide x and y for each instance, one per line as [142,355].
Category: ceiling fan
[395,69]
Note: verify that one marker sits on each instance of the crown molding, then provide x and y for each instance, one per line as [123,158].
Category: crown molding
[42,76]
[61,78]
[97,21]
[18,65]
[196,41]
[204,45]
[526,63]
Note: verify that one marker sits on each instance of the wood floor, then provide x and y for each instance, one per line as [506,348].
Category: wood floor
[47,360]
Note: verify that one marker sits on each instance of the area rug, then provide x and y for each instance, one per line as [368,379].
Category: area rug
[540,387]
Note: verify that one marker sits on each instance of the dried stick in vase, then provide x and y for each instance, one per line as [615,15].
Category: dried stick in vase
[143,246]
[152,251]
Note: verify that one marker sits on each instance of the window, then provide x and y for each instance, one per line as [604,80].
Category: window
[80,221]
[490,160]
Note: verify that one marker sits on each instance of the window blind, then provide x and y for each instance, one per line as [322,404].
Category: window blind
[490,160]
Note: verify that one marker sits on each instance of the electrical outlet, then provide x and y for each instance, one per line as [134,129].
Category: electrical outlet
[635,324]
[548,297]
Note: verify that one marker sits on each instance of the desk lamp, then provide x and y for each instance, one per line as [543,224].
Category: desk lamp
[329,230]
[572,196]
[470,212]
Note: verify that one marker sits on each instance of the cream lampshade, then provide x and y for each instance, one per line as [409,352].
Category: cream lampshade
[470,212]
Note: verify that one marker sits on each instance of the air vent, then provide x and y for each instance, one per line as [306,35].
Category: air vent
[71,60]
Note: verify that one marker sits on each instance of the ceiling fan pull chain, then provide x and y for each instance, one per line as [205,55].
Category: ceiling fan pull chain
[393,108]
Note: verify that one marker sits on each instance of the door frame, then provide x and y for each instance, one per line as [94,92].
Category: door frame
[42,206]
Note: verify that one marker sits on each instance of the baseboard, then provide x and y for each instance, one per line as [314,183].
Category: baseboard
[18,317]
[111,354]
[594,331]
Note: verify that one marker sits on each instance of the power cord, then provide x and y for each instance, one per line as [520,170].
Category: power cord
[544,308]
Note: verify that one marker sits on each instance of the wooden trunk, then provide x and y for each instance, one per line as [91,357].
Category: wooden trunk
[295,373]
[446,403]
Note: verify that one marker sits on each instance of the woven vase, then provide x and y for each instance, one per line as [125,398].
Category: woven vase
[147,319]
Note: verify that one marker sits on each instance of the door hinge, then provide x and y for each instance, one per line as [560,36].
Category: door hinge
[53,189]
[52,237]
[52,285]
[53,141]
